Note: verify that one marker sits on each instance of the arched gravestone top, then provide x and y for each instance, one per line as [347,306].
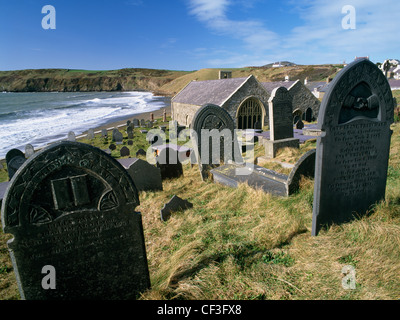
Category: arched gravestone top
[207,122]
[71,206]
[353,148]
[15,159]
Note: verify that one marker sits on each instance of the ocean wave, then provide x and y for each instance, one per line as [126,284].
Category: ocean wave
[53,121]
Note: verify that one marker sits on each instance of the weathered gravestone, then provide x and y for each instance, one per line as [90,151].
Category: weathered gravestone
[71,211]
[124,152]
[136,122]
[280,123]
[129,131]
[214,139]
[112,147]
[90,134]
[71,136]
[145,176]
[353,148]
[15,159]
[118,137]
[29,151]
[169,163]
[104,133]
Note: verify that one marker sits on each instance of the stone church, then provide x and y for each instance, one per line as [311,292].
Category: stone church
[245,99]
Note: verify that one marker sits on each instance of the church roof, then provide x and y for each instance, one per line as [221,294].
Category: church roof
[209,91]
[269,86]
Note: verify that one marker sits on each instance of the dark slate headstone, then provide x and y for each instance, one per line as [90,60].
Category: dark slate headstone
[71,209]
[215,141]
[118,137]
[112,147]
[280,114]
[280,122]
[130,143]
[299,124]
[136,122]
[29,151]
[15,159]
[175,204]
[141,152]
[124,152]
[129,131]
[353,149]
[145,176]
[308,115]
[168,162]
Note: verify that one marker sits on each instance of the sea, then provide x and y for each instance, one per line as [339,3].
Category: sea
[44,117]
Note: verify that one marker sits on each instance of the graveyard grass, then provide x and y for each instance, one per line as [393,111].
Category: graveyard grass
[245,244]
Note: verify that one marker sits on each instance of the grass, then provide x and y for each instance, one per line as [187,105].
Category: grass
[245,244]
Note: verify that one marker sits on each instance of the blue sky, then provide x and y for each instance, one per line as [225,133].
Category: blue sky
[194,34]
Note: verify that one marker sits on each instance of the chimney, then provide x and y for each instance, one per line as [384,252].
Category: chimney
[286,78]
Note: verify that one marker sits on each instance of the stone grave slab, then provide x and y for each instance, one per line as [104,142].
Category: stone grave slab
[145,176]
[71,209]
[353,148]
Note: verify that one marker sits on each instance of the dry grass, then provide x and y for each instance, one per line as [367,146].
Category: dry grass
[245,244]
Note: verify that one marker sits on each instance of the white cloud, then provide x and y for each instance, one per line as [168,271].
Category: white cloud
[317,38]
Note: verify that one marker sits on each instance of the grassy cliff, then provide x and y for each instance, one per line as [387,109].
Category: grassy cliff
[166,82]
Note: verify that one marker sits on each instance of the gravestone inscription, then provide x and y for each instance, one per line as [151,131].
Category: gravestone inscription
[353,148]
[71,208]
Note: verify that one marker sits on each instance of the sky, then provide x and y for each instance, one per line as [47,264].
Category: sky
[194,34]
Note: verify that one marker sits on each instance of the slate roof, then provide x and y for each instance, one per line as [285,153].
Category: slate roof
[209,91]
[269,86]
[315,85]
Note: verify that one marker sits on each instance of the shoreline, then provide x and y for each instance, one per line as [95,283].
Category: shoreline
[115,123]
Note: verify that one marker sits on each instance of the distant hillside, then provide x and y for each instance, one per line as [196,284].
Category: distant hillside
[263,74]
[44,80]
[165,82]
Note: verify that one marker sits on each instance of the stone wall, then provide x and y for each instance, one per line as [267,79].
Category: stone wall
[303,99]
[183,112]
[252,88]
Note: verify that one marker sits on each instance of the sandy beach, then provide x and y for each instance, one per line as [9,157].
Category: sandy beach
[146,116]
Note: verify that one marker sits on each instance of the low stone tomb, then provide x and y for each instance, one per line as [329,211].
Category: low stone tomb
[268,180]
[174,205]
[71,211]
[353,148]
[145,176]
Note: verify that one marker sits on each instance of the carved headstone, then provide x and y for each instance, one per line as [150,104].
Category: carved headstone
[118,137]
[353,149]
[71,212]
[129,131]
[15,159]
[136,122]
[215,141]
[29,151]
[280,122]
[104,133]
[145,176]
